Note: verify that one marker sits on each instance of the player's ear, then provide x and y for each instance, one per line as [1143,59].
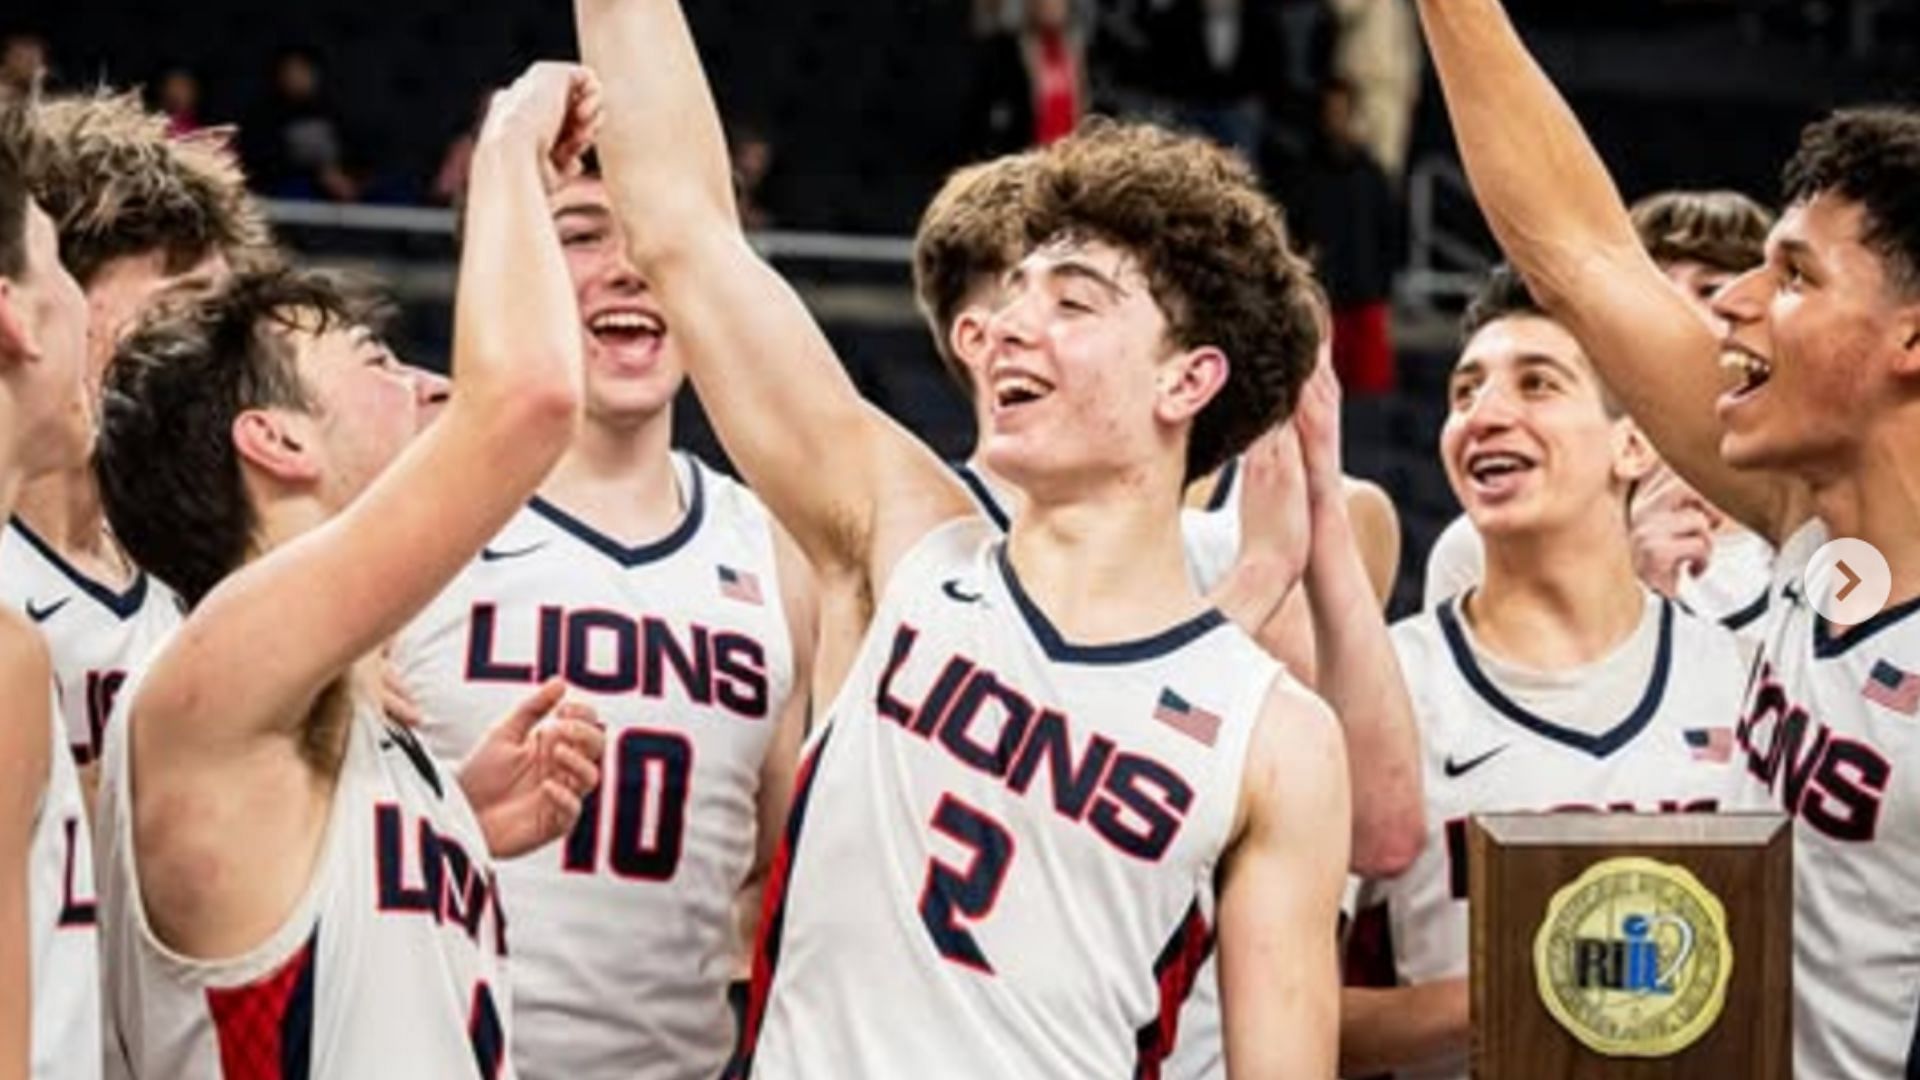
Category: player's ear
[1906,331]
[270,441]
[1188,380]
[967,337]
[14,342]
[1634,457]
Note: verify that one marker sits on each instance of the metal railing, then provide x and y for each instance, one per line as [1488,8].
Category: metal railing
[1442,264]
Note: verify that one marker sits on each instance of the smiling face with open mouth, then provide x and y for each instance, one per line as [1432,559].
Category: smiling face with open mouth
[1814,336]
[632,372]
[1076,368]
[1528,443]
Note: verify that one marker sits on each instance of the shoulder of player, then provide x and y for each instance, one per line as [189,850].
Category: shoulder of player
[23,652]
[1296,756]
[26,675]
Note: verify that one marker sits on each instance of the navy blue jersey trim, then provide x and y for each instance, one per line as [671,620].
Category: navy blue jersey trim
[296,1024]
[1743,618]
[645,553]
[983,496]
[1598,745]
[1060,649]
[124,605]
[1827,644]
[1223,489]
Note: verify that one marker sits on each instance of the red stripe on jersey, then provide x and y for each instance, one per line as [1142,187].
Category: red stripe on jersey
[266,1027]
[773,910]
[1176,968]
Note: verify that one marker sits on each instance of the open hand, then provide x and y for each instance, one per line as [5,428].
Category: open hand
[529,774]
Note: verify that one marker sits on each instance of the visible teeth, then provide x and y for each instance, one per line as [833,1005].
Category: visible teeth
[1018,389]
[625,320]
[1484,465]
[1745,364]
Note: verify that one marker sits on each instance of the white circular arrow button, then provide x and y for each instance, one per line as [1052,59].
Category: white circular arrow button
[1848,581]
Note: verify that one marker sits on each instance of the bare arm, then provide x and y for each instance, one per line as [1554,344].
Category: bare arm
[853,488]
[783,753]
[1558,217]
[1358,671]
[1376,532]
[26,740]
[1383,1030]
[307,612]
[1280,896]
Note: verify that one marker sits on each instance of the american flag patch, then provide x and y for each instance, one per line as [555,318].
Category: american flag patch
[1189,720]
[1893,688]
[740,585]
[1710,743]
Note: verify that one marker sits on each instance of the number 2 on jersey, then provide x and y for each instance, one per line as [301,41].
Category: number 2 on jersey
[649,773]
[950,894]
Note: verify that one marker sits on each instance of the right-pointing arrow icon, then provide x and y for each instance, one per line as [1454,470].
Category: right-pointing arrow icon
[1853,581]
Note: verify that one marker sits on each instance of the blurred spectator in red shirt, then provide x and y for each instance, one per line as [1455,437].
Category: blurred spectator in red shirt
[1030,78]
[178,95]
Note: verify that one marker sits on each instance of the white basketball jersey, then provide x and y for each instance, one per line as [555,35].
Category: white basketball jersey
[1828,723]
[624,934]
[96,635]
[1211,541]
[1001,855]
[1484,752]
[1732,591]
[1210,537]
[63,929]
[392,964]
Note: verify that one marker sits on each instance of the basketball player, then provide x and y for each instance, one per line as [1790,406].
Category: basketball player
[1552,685]
[49,965]
[140,213]
[663,593]
[1818,438]
[1004,844]
[333,912]
[1683,546]
[970,235]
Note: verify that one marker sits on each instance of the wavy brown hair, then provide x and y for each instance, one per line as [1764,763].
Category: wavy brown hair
[116,185]
[170,475]
[1216,255]
[970,234]
[1722,229]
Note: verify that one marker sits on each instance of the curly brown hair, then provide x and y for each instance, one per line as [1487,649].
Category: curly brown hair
[1722,229]
[970,234]
[20,148]
[116,184]
[1216,256]
[1869,156]
[170,475]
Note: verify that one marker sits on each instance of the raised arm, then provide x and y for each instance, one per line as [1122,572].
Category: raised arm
[307,612]
[26,740]
[853,488]
[792,718]
[1560,220]
[1280,896]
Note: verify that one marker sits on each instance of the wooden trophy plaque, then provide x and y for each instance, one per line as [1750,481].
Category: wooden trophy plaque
[1631,946]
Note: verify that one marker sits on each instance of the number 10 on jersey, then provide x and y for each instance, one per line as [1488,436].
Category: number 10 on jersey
[649,773]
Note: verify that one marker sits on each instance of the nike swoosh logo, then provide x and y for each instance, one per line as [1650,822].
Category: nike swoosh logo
[1455,769]
[954,592]
[496,555]
[42,614]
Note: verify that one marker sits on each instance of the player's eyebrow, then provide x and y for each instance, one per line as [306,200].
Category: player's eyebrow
[596,214]
[1543,360]
[1076,268]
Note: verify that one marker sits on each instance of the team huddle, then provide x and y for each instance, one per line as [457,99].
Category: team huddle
[362,723]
